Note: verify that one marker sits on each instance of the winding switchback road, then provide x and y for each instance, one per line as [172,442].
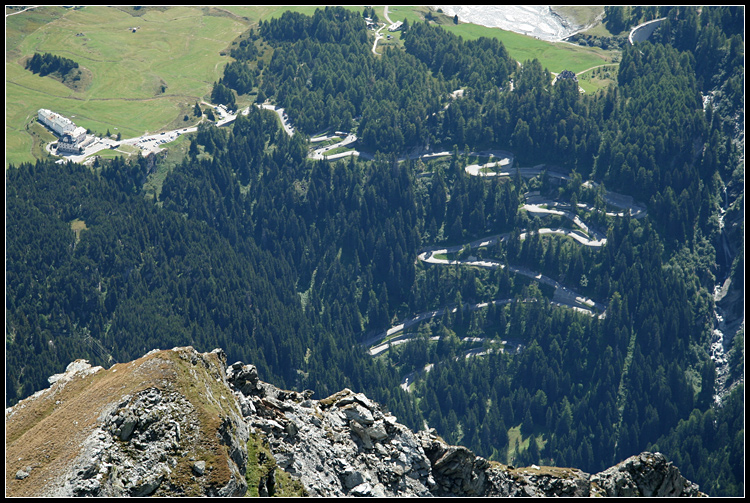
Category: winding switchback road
[586,235]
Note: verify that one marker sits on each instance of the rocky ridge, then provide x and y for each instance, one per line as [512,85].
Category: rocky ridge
[165,424]
[188,427]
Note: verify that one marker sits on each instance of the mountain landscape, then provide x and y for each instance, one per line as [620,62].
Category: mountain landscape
[181,423]
[463,261]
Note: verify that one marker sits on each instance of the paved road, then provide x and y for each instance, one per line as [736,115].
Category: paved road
[379,336]
[563,296]
[513,347]
[535,203]
[150,142]
[597,66]
[399,339]
[385,15]
[588,237]
[28,8]
[476,169]
[425,155]
[373,341]
[320,154]
[625,203]
[378,36]
[282,115]
[318,139]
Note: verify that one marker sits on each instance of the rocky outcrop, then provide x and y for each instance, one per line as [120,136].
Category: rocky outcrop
[164,425]
[647,474]
[347,445]
[457,470]
[179,422]
[344,445]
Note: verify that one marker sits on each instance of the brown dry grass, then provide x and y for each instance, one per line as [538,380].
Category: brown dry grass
[45,433]
[549,471]
[197,389]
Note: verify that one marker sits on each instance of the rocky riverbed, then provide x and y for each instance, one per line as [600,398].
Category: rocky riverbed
[538,21]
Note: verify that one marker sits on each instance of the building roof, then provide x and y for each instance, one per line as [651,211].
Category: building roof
[62,122]
[395,26]
[567,74]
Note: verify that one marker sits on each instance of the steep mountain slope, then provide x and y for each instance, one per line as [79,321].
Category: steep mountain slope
[178,422]
[144,427]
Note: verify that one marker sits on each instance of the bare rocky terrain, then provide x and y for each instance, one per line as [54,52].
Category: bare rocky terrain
[538,21]
[179,422]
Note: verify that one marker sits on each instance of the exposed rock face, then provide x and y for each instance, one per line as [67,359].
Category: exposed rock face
[176,423]
[648,474]
[346,445]
[129,454]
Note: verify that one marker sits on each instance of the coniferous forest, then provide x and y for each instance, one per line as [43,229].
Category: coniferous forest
[46,63]
[291,263]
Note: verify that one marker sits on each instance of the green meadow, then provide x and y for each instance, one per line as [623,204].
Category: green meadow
[142,80]
[584,15]
[598,78]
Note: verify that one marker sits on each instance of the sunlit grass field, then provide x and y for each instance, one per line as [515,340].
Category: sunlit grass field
[581,14]
[256,13]
[176,48]
[598,78]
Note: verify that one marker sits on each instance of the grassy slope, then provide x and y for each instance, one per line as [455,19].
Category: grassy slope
[174,46]
[593,80]
[254,13]
[177,47]
[260,462]
[582,15]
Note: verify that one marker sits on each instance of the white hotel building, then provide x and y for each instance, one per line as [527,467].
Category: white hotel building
[72,138]
[55,122]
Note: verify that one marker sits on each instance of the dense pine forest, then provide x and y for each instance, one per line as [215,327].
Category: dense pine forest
[291,263]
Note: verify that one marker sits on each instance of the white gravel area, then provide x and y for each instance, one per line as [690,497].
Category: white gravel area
[534,20]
